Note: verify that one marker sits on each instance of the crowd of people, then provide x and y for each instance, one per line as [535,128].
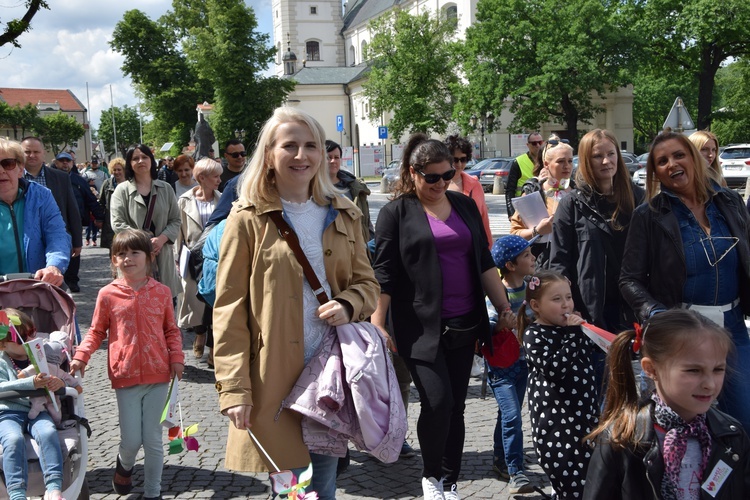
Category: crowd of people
[202,248]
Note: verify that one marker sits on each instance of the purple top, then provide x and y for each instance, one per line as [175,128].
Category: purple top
[453,245]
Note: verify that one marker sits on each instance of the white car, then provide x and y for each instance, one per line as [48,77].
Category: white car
[639,177]
[735,165]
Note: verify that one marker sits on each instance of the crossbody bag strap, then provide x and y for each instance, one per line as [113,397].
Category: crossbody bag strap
[288,234]
[150,212]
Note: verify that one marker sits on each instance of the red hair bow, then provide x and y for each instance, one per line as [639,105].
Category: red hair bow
[638,342]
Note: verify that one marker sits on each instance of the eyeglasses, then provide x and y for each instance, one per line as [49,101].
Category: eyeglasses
[463,159]
[237,155]
[536,143]
[9,163]
[434,178]
[720,241]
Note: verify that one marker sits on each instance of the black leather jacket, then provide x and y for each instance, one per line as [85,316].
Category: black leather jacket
[653,268]
[637,473]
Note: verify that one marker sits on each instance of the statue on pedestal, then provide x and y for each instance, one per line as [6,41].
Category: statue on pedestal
[203,138]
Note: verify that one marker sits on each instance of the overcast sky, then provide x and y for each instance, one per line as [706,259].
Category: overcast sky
[68,46]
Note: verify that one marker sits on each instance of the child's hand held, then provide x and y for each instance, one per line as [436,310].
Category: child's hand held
[177,369]
[76,366]
[574,319]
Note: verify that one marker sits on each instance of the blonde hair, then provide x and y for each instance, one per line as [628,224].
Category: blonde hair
[206,166]
[14,148]
[257,183]
[699,139]
[701,179]
[117,161]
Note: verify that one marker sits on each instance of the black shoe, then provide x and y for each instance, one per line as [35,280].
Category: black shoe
[407,451]
[122,483]
[74,287]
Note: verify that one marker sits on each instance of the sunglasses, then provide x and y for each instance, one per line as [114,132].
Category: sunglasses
[237,155]
[434,178]
[536,143]
[463,159]
[552,143]
[9,163]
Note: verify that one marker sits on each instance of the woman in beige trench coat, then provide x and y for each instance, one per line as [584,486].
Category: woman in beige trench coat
[267,322]
[129,206]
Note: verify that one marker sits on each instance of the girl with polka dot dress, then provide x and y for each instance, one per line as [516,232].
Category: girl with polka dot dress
[672,444]
[562,389]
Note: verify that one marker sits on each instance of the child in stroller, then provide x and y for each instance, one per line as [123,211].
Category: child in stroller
[14,417]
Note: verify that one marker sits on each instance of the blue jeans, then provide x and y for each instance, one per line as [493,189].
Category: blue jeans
[140,408]
[42,429]
[324,476]
[509,387]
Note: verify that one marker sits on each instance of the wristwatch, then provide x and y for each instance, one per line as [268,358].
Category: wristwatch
[534,232]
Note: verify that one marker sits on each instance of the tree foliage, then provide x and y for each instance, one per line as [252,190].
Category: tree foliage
[413,72]
[731,122]
[128,129]
[59,130]
[696,36]
[549,58]
[19,118]
[17,27]
[203,50]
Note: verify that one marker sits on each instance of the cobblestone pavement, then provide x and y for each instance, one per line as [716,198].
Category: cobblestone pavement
[202,475]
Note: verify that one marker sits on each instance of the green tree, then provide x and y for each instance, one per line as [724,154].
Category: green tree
[170,87]
[653,97]
[696,36]
[128,129]
[19,118]
[17,27]
[550,58]
[59,130]
[731,122]
[413,69]
[222,43]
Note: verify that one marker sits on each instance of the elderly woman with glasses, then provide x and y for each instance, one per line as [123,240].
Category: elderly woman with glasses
[434,268]
[464,183]
[31,227]
[688,247]
[552,181]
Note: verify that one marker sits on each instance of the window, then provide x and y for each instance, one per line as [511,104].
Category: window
[451,14]
[312,49]
[313,11]
[364,50]
[352,55]
[278,53]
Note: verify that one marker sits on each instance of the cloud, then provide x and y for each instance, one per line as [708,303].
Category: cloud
[67,47]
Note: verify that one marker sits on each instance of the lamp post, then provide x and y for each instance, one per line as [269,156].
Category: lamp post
[488,118]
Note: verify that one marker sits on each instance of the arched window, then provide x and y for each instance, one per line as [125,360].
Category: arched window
[451,13]
[352,55]
[312,49]
[365,57]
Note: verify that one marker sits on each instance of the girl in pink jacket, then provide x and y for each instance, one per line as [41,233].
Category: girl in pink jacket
[145,353]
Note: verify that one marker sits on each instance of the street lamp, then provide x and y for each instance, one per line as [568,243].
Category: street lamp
[488,119]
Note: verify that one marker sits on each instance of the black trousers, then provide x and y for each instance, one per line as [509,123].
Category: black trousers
[71,275]
[442,388]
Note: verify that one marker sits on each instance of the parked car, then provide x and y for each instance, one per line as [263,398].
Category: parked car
[639,177]
[390,178]
[476,170]
[735,165]
[631,162]
[642,159]
[491,168]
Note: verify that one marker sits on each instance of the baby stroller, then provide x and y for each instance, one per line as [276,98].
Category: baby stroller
[52,309]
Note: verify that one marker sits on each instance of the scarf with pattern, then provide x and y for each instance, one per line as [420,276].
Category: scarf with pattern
[675,444]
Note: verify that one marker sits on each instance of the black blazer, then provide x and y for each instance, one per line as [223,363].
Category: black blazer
[653,268]
[62,190]
[407,268]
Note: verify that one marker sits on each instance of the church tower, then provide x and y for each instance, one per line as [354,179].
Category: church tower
[311,29]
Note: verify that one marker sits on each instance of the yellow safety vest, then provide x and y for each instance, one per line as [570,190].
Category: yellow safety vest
[527,171]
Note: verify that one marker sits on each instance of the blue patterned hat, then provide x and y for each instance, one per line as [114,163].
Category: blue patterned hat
[508,248]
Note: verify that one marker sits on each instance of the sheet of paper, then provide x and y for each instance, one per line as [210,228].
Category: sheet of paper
[35,351]
[532,210]
[184,259]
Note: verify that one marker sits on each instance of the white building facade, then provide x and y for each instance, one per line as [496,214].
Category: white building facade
[329,43]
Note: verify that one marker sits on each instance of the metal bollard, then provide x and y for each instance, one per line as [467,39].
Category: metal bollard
[383,185]
[497,185]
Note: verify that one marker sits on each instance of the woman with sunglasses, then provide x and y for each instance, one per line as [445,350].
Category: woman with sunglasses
[31,227]
[465,183]
[688,247]
[552,181]
[434,268]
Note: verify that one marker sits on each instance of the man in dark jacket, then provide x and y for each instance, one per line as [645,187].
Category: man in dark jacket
[62,190]
[87,205]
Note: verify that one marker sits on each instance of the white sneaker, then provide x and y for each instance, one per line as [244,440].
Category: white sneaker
[451,494]
[432,489]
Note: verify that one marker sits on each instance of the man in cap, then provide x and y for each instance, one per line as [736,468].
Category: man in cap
[96,174]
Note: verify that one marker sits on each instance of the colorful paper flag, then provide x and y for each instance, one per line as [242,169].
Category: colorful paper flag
[169,414]
[600,337]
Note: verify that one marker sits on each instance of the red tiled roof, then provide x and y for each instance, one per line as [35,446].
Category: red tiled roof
[65,98]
